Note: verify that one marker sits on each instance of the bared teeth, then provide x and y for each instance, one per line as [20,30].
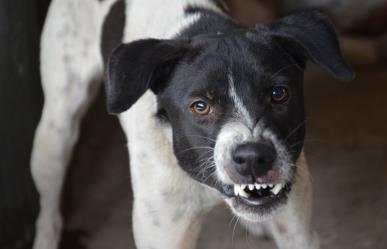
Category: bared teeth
[241,189]
[277,188]
[243,193]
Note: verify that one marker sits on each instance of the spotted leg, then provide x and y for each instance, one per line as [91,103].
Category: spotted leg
[167,214]
[168,209]
[70,68]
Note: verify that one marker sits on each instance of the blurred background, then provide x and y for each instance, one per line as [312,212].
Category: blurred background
[346,143]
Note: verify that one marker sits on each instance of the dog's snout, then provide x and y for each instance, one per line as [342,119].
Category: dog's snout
[254,158]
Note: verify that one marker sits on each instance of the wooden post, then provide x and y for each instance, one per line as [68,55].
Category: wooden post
[20,108]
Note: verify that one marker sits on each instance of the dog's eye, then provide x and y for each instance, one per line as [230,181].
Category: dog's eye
[200,107]
[279,94]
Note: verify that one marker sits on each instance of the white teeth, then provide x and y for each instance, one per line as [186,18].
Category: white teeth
[239,190]
[236,190]
[277,188]
[243,193]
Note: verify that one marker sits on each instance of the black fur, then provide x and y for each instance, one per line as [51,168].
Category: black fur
[310,35]
[113,29]
[145,62]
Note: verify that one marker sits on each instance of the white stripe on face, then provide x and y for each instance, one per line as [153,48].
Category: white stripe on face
[230,136]
[240,108]
[241,129]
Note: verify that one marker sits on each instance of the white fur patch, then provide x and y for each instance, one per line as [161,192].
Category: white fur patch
[231,135]
[243,113]
[188,20]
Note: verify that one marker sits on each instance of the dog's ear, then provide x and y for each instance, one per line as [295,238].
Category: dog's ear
[311,35]
[135,67]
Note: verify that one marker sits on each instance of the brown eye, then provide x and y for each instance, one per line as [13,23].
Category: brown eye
[200,107]
[279,94]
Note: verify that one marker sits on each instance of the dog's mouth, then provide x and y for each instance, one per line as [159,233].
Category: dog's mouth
[254,201]
[258,194]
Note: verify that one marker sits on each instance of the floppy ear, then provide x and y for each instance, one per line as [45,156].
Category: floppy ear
[311,35]
[135,67]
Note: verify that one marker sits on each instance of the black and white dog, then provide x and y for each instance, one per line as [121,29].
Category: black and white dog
[213,112]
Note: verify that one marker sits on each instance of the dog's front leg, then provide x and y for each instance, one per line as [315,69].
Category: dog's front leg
[168,204]
[168,208]
[292,228]
[157,224]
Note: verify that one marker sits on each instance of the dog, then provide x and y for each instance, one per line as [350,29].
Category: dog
[213,112]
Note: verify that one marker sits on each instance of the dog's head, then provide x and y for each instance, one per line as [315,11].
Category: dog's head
[234,101]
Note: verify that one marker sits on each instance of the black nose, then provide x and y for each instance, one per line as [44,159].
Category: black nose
[254,158]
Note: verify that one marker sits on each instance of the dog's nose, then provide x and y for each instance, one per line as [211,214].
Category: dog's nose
[254,159]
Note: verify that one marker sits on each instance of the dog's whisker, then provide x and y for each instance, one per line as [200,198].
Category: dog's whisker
[205,168]
[211,175]
[300,125]
[294,145]
[197,148]
[307,141]
[205,161]
[233,216]
[210,139]
[234,229]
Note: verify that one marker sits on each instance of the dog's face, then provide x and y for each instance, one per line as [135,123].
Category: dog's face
[237,115]
[234,101]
